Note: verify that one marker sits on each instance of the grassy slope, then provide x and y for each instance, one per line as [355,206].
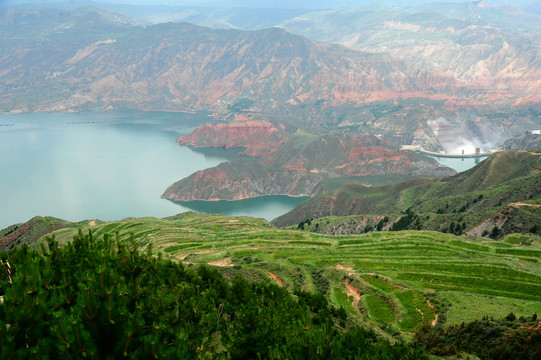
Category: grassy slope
[26,233]
[471,196]
[390,275]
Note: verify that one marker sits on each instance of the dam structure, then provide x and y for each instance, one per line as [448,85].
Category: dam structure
[477,154]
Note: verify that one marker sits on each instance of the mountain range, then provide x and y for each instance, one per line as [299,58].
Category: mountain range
[476,42]
[95,59]
[433,61]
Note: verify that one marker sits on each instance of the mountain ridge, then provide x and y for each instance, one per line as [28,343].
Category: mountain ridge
[235,63]
[471,198]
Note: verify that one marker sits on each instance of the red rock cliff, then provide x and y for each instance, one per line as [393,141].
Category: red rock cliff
[260,138]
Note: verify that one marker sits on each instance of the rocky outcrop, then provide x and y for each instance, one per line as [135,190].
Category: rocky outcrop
[260,138]
[243,179]
[526,141]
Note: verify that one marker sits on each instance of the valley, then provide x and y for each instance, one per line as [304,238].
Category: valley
[271,88]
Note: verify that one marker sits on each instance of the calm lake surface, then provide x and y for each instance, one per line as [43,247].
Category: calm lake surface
[108,166]
[459,164]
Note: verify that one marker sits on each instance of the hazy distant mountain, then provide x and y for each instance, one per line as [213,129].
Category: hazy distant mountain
[533,8]
[485,43]
[476,43]
[526,141]
[88,58]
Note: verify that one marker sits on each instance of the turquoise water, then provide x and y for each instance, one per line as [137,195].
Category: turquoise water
[106,165]
[459,164]
[279,204]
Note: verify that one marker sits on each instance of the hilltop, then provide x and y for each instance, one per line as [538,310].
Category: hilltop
[502,192]
[109,297]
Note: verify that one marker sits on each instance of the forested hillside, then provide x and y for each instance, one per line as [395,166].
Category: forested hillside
[103,298]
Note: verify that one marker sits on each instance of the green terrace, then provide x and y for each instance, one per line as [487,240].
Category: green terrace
[395,281]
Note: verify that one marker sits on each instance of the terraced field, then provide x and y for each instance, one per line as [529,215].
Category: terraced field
[397,281]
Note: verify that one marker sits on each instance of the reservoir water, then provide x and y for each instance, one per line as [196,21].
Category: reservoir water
[108,166]
[459,164]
